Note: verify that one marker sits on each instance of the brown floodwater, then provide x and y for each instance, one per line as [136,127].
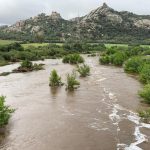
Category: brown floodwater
[100,115]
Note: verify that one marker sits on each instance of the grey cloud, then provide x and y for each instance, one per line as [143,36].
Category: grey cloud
[14,10]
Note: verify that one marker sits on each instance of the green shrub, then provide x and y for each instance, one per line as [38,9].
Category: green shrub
[145,74]
[145,93]
[26,64]
[54,79]
[72,83]
[37,67]
[5,73]
[84,70]
[145,115]
[118,58]
[111,51]
[134,65]
[73,59]
[5,112]
[104,60]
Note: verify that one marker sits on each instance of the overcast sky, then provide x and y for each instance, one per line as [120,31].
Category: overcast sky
[14,10]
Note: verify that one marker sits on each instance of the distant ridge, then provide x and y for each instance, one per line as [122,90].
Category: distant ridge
[103,24]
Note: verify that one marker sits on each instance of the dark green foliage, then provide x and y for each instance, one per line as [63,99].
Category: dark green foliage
[9,47]
[5,112]
[31,53]
[5,73]
[92,55]
[135,50]
[145,94]
[37,67]
[55,79]
[118,58]
[27,66]
[111,50]
[83,47]
[104,59]
[72,83]
[73,59]
[84,70]
[145,74]
[134,65]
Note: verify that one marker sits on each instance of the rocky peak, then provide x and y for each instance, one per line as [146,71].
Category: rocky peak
[103,10]
[55,16]
[105,5]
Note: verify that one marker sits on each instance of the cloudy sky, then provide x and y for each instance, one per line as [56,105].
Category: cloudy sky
[14,10]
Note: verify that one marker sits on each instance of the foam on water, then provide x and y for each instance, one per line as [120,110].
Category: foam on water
[131,116]
[139,137]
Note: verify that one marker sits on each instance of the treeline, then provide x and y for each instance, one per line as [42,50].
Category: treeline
[15,52]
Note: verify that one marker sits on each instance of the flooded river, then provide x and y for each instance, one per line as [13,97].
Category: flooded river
[100,115]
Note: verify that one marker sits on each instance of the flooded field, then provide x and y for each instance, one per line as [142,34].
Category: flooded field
[100,115]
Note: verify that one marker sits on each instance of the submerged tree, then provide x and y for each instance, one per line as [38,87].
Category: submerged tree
[84,70]
[72,83]
[55,79]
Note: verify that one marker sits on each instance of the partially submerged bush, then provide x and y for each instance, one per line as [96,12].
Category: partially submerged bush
[133,65]
[73,59]
[37,67]
[5,112]
[5,73]
[104,59]
[145,115]
[27,66]
[55,79]
[145,94]
[92,55]
[145,74]
[72,83]
[84,70]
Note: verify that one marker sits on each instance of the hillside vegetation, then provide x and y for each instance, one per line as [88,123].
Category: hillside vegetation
[103,24]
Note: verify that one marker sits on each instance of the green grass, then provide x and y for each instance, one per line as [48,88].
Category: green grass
[44,44]
[38,44]
[6,42]
[122,45]
[34,44]
[118,45]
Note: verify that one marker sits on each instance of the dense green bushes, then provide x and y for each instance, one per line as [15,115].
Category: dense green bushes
[118,58]
[15,53]
[134,65]
[73,59]
[145,74]
[5,112]
[54,79]
[145,93]
[104,59]
[83,47]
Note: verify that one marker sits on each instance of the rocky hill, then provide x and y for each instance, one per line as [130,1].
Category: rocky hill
[101,24]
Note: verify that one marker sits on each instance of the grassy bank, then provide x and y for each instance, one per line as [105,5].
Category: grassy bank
[6,42]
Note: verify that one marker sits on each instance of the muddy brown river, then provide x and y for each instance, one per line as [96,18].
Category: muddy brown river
[100,115]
